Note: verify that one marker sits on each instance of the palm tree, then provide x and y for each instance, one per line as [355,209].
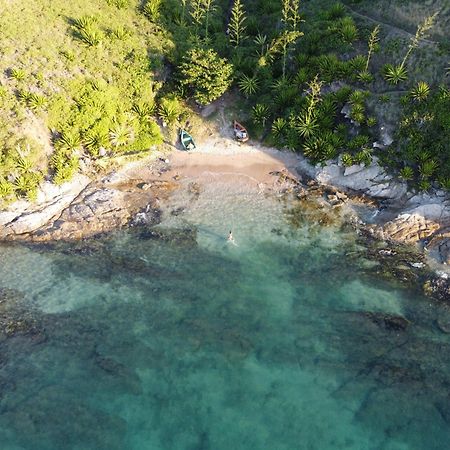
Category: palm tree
[120,135]
[395,74]
[407,173]
[248,85]
[420,91]
[278,129]
[260,113]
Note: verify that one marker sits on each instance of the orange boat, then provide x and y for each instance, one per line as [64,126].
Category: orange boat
[240,132]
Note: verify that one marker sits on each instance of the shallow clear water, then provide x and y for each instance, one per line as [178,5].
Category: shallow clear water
[172,338]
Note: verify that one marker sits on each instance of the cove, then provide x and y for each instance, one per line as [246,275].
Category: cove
[168,337]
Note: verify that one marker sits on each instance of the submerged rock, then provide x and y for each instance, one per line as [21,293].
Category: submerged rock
[388,321]
[16,317]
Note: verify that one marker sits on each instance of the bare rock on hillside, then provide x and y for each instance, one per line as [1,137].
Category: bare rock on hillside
[410,228]
[24,217]
[427,218]
[88,210]
[100,209]
[371,180]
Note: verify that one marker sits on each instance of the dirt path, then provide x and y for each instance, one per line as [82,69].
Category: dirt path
[387,25]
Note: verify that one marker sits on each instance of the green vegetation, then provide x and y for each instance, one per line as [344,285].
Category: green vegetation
[98,78]
[422,151]
[397,73]
[205,74]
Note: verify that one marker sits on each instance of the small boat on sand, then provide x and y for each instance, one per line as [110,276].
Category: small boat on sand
[187,140]
[240,132]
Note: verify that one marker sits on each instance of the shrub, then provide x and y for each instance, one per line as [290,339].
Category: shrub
[94,140]
[364,156]
[279,127]
[17,74]
[371,121]
[206,74]
[420,91]
[121,134]
[90,36]
[357,64]
[260,114]
[144,110]
[365,76]
[358,97]
[64,165]
[84,22]
[348,30]
[347,159]
[6,188]
[169,110]
[336,11]
[395,74]
[357,113]
[87,31]
[407,173]
[120,33]
[248,85]
[26,184]
[151,10]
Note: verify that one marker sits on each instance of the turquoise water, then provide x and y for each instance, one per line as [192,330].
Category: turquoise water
[171,338]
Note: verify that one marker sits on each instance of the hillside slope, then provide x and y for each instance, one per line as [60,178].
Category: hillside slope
[84,79]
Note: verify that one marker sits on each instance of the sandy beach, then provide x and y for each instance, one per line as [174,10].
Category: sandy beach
[222,157]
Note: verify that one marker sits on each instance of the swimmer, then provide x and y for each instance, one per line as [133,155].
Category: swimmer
[231,238]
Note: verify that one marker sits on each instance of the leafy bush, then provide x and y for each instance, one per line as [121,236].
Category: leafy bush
[86,29]
[395,74]
[206,74]
[248,85]
[424,122]
[169,110]
[17,74]
[151,10]
[6,188]
[336,11]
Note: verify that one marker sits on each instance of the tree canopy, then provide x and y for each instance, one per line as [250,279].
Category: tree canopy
[206,74]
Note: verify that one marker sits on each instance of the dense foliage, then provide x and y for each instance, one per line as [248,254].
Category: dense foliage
[309,77]
[205,74]
[422,152]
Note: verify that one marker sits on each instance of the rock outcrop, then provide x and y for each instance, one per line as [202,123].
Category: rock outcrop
[371,180]
[424,218]
[24,217]
[421,218]
[90,209]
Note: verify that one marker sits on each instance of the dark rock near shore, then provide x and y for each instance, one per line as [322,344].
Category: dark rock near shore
[388,322]
[147,216]
[438,287]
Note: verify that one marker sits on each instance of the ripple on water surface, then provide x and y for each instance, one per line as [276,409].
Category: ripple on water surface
[173,338]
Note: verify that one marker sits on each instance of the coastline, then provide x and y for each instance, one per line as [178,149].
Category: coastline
[131,196]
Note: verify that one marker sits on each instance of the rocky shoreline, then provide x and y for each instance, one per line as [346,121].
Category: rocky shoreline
[381,207]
